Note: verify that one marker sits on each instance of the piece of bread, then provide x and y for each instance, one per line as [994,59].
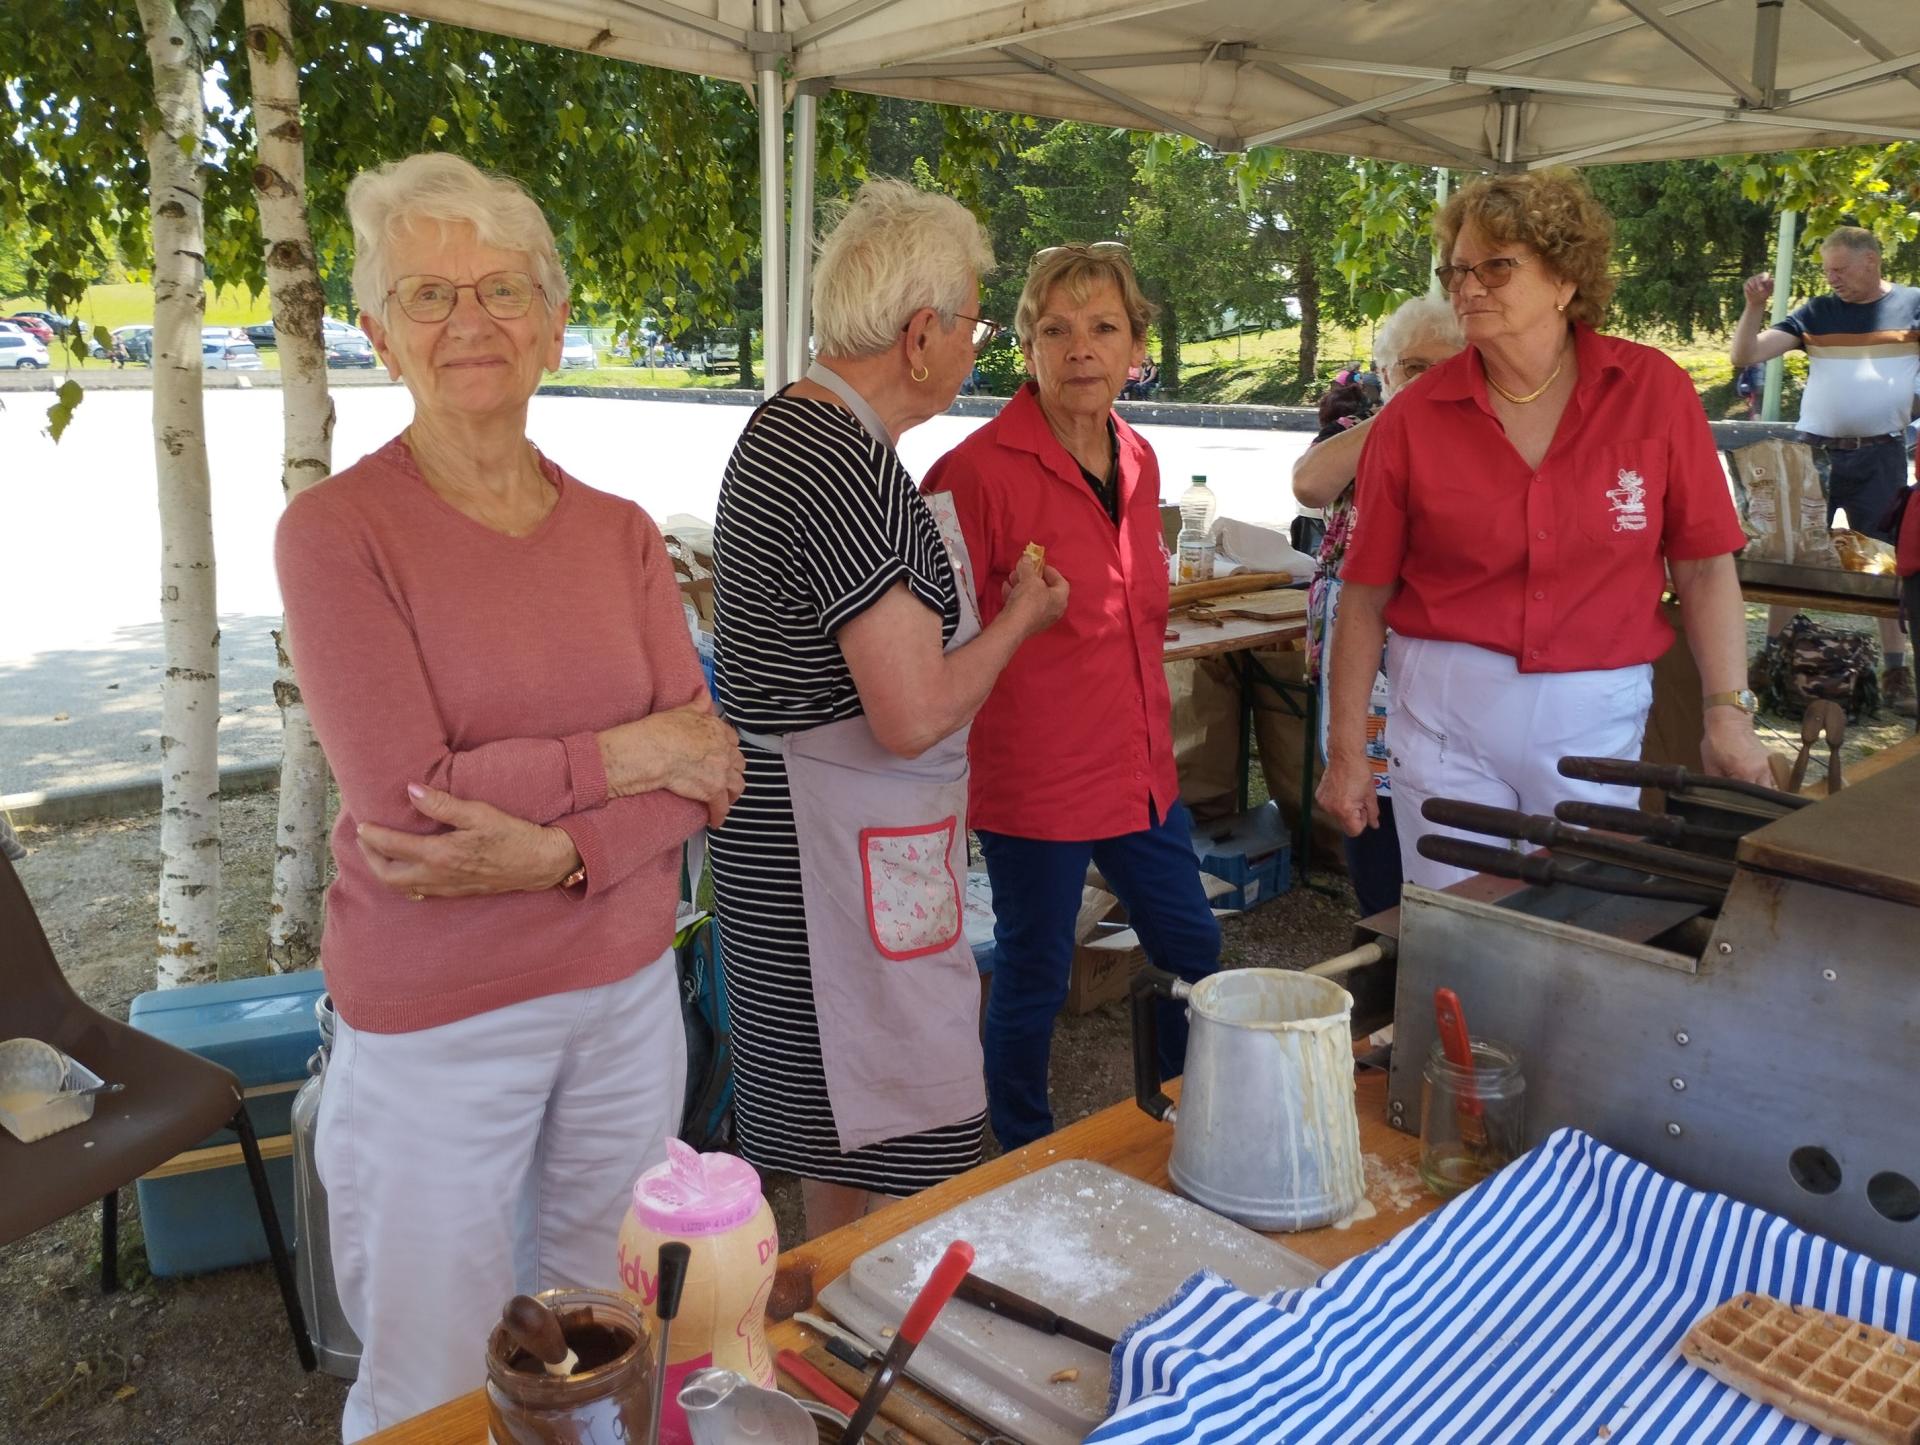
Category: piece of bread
[1037,555]
[1841,1376]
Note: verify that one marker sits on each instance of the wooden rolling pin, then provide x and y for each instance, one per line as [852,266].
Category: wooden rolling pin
[901,1406]
[1227,586]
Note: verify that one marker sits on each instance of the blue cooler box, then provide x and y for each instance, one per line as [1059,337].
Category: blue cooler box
[1251,851]
[263,1029]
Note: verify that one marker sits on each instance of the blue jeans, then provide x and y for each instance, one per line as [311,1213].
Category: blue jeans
[1036,897]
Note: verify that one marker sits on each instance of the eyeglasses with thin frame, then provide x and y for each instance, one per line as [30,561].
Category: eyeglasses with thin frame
[983,329]
[503,295]
[1492,273]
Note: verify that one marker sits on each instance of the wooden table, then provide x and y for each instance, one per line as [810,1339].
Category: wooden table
[1283,621]
[1120,1137]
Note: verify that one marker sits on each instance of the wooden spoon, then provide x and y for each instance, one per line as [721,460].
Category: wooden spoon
[536,1329]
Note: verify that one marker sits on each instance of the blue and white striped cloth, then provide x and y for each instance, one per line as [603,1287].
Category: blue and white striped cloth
[1545,1305]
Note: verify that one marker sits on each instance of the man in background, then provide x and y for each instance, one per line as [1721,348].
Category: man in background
[1863,357]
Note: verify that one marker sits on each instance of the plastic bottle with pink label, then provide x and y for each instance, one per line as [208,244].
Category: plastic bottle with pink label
[713,1204]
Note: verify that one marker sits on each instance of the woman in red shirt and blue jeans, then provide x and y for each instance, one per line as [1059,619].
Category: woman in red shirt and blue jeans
[1072,753]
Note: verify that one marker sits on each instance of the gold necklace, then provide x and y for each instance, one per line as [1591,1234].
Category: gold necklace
[1533,395]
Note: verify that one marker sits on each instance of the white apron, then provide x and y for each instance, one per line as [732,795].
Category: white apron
[883,866]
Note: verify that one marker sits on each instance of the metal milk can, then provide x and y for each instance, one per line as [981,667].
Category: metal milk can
[1266,1132]
[335,1344]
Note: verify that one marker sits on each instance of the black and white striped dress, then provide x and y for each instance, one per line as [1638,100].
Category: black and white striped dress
[817,521]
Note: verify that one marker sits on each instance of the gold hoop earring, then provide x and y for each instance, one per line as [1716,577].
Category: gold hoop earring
[919,373]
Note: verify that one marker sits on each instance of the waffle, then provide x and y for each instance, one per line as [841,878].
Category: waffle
[1838,1375]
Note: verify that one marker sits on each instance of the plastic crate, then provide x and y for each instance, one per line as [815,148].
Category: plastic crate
[263,1029]
[1249,850]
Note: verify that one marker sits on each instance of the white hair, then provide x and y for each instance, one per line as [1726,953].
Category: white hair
[1416,320]
[387,201]
[895,251]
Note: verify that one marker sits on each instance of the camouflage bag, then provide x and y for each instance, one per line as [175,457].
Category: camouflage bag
[1808,661]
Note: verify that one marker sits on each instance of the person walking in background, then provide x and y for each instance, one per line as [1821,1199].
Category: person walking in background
[1411,342]
[1862,341]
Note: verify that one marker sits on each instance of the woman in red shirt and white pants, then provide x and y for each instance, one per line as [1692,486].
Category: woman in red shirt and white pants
[1072,753]
[1521,508]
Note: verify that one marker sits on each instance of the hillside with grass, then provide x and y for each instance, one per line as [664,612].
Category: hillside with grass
[1253,368]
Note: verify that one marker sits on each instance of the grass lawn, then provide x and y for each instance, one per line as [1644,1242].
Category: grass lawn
[1257,368]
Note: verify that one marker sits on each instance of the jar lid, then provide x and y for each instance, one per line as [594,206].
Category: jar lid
[696,1194]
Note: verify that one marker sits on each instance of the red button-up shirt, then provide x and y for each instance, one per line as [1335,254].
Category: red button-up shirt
[1076,739]
[1561,568]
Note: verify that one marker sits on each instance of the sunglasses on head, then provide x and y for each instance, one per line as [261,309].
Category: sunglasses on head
[1116,250]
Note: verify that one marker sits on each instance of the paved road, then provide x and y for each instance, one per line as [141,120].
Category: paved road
[80,654]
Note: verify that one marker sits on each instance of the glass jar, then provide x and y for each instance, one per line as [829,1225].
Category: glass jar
[1472,1121]
[607,1400]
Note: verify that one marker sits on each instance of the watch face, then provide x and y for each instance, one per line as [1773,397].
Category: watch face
[1746,699]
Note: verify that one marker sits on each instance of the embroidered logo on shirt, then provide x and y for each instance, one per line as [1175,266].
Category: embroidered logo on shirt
[1629,502]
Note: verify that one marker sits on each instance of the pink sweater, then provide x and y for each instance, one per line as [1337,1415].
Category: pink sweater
[433,649]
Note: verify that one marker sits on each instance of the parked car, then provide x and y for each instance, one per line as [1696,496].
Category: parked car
[721,352]
[261,334]
[22,351]
[349,348]
[31,323]
[577,349]
[53,319]
[220,352]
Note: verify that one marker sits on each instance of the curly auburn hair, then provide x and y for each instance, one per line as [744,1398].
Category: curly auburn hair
[1551,211]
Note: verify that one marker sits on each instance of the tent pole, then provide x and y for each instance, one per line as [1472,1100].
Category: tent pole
[773,209]
[806,130]
[1442,185]
[1782,294]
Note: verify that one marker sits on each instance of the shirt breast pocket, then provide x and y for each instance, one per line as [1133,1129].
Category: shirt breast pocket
[1621,502]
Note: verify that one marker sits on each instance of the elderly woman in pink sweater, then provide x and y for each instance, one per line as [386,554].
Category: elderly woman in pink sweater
[497,665]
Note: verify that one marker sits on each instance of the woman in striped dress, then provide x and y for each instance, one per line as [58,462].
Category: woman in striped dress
[851,660]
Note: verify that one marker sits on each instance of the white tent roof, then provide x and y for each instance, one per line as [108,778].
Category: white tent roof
[1443,82]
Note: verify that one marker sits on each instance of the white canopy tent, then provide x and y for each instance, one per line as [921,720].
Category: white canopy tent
[1465,83]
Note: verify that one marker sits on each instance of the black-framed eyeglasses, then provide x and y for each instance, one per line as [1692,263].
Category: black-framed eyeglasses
[1492,273]
[503,295]
[1116,250]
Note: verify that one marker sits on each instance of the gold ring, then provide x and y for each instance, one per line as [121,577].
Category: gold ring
[416,895]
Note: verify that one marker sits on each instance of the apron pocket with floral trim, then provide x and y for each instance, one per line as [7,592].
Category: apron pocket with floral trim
[913,899]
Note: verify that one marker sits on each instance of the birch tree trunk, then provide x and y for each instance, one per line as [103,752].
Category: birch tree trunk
[293,283]
[177,34]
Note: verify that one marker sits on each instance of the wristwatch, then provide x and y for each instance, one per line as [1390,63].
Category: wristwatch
[575,878]
[1743,699]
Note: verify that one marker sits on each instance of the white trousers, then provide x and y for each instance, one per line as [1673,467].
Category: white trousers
[1466,723]
[482,1159]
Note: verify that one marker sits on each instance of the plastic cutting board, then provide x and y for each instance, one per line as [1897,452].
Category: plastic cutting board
[1090,1243]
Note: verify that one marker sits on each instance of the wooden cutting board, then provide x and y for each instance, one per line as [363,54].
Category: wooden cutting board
[1090,1243]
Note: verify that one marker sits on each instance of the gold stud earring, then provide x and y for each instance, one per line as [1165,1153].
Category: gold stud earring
[919,373]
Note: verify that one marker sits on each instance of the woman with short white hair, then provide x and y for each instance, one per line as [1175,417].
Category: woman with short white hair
[852,660]
[498,668]
[1417,336]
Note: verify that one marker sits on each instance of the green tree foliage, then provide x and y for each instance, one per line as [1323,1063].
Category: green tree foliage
[1873,186]
[1684,240]
[650,177]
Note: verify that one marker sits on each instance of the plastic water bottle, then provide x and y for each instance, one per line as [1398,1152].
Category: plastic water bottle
[1198,506]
